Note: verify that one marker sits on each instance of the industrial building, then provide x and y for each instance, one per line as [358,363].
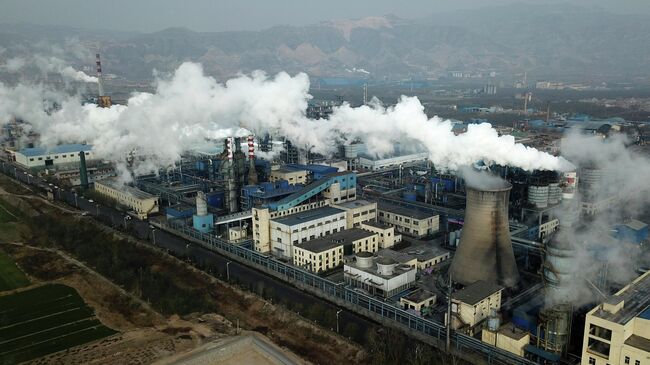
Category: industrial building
[291,175]
[382,277]
[142,203]
[473,304]
[386,233]
[377,164]
[410,222]
[326,253]
[301,227]
[61,155]
[617,331]
[357,212]
[418,301]
[508,337]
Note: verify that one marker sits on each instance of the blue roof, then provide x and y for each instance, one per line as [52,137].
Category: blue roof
[64,148]
[645,314]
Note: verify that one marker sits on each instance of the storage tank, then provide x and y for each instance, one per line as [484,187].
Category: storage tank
[494,322]
[485,249]
[559,269]
[364,259]
[386,266]
[538,195]
[554,193]
[555,325]
[351,150]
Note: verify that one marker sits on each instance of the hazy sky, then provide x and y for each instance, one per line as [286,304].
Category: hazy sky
[218,15]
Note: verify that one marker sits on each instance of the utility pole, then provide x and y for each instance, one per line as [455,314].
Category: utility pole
[448,342]
[337,319]
[228,270]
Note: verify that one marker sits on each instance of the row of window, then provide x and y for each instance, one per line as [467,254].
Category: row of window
[55,157]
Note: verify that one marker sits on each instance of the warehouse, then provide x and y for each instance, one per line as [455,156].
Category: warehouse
[40,157]
[139,201]
[292,175]
[411,222]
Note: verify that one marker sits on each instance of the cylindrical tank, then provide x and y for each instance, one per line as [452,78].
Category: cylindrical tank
[569,184]
[556,324]
[201,204]
[485,249]
[385,266]
[538,195]
[351,150]
[554,193]
[364,259]
[494,322]
[559,268]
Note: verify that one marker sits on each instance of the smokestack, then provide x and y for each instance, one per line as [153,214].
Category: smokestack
[201,204]
[485,250]
[252,173]
[83,170]
[103,100]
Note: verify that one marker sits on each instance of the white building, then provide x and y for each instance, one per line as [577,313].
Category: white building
[411,222]
[139,201]
[39,157]
[358,211]
[383,277]
[471,305]
[375,164]
[300,227]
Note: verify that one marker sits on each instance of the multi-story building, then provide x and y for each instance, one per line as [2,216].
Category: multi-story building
[387,236]
[142,203]
[471,305]
[617,331]
[304,226]
[326,253]
[39,157]
[358,212]
[410,222]
[293,176]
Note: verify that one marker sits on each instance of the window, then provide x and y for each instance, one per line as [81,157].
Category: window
[627,359]
[31,159]
[637,362]
[601,332]
[406,220]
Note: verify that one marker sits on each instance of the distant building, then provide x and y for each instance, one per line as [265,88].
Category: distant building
[386,233]
[358,212]
[40,157]
[139,201]
[293,176]
[617,331]
[375,163]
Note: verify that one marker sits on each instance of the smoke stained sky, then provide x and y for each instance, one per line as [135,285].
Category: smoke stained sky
[219,15]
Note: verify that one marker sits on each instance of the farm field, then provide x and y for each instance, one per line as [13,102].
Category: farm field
[44,320]
[10,275]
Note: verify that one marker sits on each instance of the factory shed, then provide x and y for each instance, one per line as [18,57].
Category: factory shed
[40,157]
[633,231]
[139,201]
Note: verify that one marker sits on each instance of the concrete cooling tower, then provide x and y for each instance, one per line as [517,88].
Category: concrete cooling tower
[485,250]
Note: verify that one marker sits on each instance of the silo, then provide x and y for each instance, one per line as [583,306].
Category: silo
[386,266]
[364,259]
[538,195]
[485,250]
[351,150]
[559,269]
[554,193]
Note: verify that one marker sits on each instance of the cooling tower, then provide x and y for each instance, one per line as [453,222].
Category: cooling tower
[485,250]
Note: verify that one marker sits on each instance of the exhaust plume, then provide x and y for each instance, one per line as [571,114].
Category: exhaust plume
[190,109]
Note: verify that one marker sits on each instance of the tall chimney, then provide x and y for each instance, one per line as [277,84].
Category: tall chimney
[252,173]
[103,100]
[83,170]
[485,250]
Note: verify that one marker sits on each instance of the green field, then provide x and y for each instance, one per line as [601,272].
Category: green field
[44,320]
[10,276]
[7,213]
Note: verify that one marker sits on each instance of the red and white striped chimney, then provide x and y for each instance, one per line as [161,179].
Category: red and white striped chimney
[251,147]
[100,82]
[229,147]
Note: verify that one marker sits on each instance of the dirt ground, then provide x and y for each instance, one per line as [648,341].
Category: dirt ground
[147,336]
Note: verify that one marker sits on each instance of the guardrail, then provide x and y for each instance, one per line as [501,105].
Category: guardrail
[427,330]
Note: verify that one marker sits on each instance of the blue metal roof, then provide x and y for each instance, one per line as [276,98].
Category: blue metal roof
[64,148]
[645,314]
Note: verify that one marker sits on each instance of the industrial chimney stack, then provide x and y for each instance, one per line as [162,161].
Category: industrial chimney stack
[103,100]
[485,249]
[252,172]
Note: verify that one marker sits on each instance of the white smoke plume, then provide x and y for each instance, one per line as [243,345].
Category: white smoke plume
[625,190]
[190,108]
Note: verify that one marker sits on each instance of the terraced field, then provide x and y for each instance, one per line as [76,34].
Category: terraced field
[44,320]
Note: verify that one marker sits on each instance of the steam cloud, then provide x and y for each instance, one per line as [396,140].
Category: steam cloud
[190,109]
